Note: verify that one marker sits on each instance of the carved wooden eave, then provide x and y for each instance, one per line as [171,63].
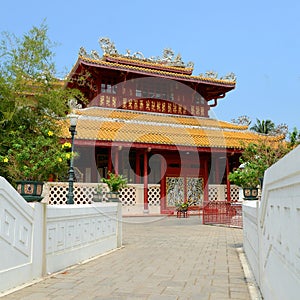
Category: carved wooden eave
[209,88]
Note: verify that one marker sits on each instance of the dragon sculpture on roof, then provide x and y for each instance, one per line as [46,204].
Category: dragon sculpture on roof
[168,58]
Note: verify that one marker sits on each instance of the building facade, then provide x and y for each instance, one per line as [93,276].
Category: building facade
[149,119]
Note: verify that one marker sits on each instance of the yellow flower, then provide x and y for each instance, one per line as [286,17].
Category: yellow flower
[60,159]
[68,155]
[50,133]
[66,145]
[5,159]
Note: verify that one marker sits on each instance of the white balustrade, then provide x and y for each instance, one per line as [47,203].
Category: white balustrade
[37,238]
[272,230]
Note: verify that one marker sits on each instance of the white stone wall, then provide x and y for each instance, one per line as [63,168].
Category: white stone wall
[37,239]
[21,256]
[277,266]
[82,231]
[250,232]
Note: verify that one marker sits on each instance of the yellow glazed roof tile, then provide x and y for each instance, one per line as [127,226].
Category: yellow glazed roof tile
[108,125]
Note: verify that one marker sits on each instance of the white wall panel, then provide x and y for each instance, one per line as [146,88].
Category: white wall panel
[36,238]
[278,231]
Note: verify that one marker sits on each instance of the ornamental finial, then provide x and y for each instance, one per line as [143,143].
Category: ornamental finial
[72,103]
[107,46]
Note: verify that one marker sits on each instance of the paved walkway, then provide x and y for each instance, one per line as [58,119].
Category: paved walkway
[162,258]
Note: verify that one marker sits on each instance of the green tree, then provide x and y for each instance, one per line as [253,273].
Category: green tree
[32,100]
[263,126]
[256,158]
[294,138]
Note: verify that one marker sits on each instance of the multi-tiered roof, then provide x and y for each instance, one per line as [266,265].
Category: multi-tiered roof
[125,124]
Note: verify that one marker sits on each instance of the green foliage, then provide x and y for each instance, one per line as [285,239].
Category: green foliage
[183,206]
[115,182]
[264,126]
[35,155]
[99,190]
[31,102]
[256,158]
[248,176]
[294,138]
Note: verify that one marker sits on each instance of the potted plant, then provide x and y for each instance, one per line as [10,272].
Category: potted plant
[99,193]
[182,208]
[246,177]
[115,182]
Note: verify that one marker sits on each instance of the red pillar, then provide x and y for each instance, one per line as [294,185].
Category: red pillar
[146,207]
[217,169]
[163,198]
[98,89]
[227,181]
[137,168]
[116,162]
[109,167]
[205,192]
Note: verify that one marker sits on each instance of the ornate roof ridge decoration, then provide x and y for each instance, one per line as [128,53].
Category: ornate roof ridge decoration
[148,64]
[168,60]
[168,57]
[88,59]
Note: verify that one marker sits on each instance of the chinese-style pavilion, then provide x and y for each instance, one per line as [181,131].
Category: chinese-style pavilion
[148,119]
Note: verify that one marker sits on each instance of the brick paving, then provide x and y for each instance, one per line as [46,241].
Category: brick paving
[162,258]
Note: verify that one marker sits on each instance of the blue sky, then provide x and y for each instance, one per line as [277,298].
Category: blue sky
[257,40]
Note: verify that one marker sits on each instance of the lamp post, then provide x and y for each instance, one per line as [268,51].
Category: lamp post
[73,122]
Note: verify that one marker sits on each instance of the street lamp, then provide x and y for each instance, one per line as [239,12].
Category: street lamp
[73,122]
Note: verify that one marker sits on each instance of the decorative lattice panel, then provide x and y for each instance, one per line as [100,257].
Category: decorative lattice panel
[195,190]
[213,192]
[154,196]
[57,193]
[175,190]
[234,192]
[127,196]
[83,195]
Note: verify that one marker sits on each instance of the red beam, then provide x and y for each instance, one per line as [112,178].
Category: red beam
[152,146]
